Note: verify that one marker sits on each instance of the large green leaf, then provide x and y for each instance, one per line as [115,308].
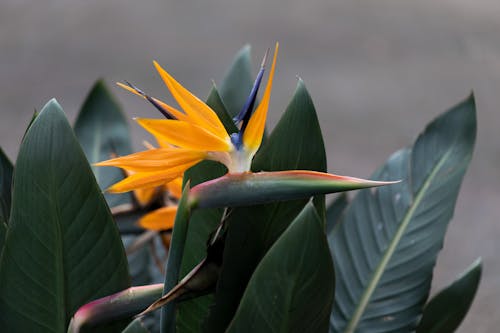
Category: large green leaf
[253,230]
[386,246]
[202,223]
[62,248]
[102,130]
[292,288]
[6,170]
[237,82]
[446,310]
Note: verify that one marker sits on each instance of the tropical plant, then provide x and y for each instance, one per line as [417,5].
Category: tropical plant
[249,244]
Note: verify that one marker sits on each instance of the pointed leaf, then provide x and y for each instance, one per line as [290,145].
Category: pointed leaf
[247,189]
[6,170]
[124,304]
[292,288]
[177,246]
[253,230]
[102,130]
[62,249]
[446,310]
[386,246]
[237,82]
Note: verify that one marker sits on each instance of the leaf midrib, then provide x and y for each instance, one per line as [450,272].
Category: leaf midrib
[366,296]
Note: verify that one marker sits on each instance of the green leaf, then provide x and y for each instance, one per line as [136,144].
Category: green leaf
[203,222]
[136,326]
[102,130]
[446,310]
[6,170]
[177,246]
[237,82]
[253,230]
[292,288]
[386,246]
[62,249]
[334,212]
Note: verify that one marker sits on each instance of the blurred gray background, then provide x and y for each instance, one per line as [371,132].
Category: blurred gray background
[377,70]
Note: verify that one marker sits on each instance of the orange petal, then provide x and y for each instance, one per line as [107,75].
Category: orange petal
[160,159]
[186,135]
[160,219]
[145,195]
[252,138]
[149,179]
[198,112]
[173,111]
[175,188]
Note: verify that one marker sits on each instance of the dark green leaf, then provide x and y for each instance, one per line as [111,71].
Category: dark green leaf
[253,230]
[102,130]
[202,223]
[62,249]
[446,310]
[177,246]
[6,170]
[237,83]
[386,246]
[334,212]
[292,288]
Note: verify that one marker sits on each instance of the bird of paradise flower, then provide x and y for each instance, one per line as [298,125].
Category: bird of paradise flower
[192,136]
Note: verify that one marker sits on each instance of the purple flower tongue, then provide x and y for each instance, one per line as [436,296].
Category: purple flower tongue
[150,99]
[246,112]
